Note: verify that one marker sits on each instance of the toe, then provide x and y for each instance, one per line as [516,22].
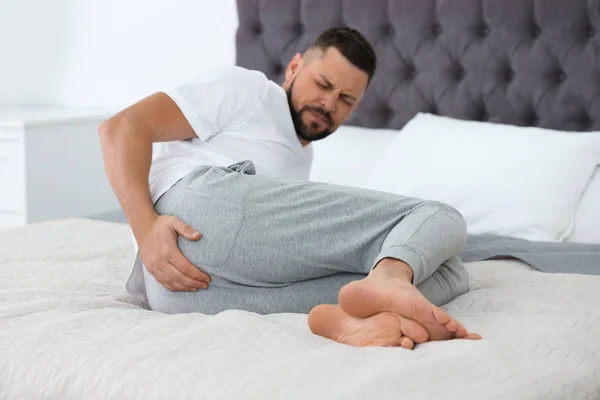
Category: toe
[461,332]
[472,336]
[441,316]
[413,330]
[407,343]
[452,326]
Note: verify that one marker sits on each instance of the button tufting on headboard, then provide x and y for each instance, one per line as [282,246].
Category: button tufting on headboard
[386,112]
[523,62]
[458,72]
[278,69]
[484,30]
[534,120]
[409,72]
[509,75]
[482,115]
[387,30]
[586,123]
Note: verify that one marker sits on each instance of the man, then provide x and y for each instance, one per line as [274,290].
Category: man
[272,241]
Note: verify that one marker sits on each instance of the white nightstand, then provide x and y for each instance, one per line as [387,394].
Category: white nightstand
[51,165]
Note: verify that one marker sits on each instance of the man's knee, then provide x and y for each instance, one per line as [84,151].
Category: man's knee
[454,214]
[450,221]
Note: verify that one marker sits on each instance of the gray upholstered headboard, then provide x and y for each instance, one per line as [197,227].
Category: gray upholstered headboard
[522,62]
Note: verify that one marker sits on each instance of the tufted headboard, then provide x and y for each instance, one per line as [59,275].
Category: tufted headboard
[521,62]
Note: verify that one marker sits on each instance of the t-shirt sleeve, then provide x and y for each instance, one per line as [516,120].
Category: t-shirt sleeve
[219,99]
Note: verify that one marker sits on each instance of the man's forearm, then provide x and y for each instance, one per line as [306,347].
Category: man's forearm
[127,154]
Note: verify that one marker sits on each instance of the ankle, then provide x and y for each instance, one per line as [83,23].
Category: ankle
[391,268]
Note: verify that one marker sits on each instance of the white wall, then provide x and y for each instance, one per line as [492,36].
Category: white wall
[33,49]
[108,53]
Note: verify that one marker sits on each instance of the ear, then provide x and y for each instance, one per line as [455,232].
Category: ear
[292,68]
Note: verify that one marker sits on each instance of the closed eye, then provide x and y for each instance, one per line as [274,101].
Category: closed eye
[348,100]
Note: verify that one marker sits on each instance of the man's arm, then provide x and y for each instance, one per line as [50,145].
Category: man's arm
[126,140]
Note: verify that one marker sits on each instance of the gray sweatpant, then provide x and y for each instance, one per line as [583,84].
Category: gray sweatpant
[276,245]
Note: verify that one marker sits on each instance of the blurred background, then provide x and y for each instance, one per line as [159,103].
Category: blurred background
[106,54]
[66,66]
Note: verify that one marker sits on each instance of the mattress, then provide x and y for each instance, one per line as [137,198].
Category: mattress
[68,330]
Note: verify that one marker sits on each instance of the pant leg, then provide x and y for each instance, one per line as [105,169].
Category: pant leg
[276,245]
[448,282]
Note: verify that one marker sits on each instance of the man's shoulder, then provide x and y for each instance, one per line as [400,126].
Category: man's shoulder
[237,75]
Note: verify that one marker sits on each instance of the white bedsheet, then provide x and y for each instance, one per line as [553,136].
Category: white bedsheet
[69,331]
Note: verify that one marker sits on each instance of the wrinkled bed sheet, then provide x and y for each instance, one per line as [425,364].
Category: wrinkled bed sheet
[68,330]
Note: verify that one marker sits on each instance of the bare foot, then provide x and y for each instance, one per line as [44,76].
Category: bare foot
[383,329]
[374,295]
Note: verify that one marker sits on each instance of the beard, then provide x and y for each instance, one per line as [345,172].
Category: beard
[310,132]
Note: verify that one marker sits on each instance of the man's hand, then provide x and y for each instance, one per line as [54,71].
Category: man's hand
[163,259]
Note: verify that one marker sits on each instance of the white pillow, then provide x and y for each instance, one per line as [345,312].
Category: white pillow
[587,218]
[523,182]
[346,157]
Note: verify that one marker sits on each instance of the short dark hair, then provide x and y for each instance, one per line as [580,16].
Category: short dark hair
[353,46]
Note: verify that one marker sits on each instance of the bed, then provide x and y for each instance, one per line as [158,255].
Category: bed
[68,329]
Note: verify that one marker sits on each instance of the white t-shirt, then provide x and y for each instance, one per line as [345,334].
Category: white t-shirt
[237,114]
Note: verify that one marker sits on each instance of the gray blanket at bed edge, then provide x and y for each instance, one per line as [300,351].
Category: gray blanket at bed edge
[574,258]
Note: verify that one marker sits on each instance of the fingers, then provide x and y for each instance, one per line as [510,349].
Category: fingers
[180,269]
[170,277]
[184,229]
[168,282]
[164,260]
[190,271]
[178,279]
[177,273]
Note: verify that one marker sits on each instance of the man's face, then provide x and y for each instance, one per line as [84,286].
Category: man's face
[322,92]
